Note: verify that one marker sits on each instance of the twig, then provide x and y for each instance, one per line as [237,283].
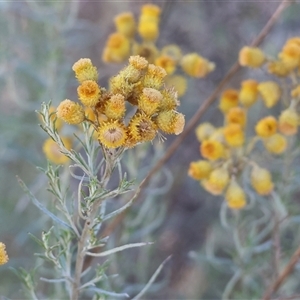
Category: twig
[282,277]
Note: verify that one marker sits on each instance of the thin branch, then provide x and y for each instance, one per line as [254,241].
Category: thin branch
[282,277]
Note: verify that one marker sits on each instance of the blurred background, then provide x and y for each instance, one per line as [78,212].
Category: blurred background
[40,41]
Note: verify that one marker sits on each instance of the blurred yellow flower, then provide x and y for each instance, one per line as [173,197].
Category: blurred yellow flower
[266,127]
[200,169]
[3,255]
[235,195]
[217,181]
[70,112]
[248,93]
[229,99]
[270,92]
[237,115]
[178,82]
[261,180]
[166,62]
[53,153]
[204,131]
[196,66]
[251,57]
[234,135]
[125,24]
[290,55]
[212,149]
[288,122]
[278,68]
[275,144]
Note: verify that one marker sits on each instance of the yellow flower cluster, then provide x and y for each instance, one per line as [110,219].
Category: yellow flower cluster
[140,84]
[226,151]
[122,43]
[3,254]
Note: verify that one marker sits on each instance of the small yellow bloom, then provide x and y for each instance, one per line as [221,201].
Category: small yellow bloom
[275,144]
[236,115]
[234,135]
[169,100]
[290,55]
[141,128]
[196,66]
[3,255]
[204,131]
[288,122]
[235,196]
[295,93]
[217,181]
[112,134]
[89,93]
[170,122]
[138,62]
[114,107]
[172,51]
[53,153]
[154,77]
[84,70]
[148,30]
[200,169]
[261,180]
[125,24]
[117,48]
[278,68]
[178,82]
[166,62]
[251,57]
[149,101]
[229,99]
[151,10]
[70,112]
[248,93]
[270,92]
[212,149]
[266,127]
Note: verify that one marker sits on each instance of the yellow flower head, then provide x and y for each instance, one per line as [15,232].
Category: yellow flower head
[154,77]
[270,92]
[212,149]
[261,180]
[89,93]
[125,24]
[138,62]
[278,68]
[3,255]
[84,70]
[148,51]
[148,29]
[234,135]
[151,10]
[114,107]
[166,62]
[53,153]
[290,55]
[149,101]
[169,100]
[229,99]
[295,93]
[112,134]
[141,128]
[117,48]
[235,195]
[275,144]
[200,169]
[236,115]
[251,57]
[217,181]
[266,127]
[70,112]
[196,66]
[248,92]
[204,131]
[170,122]
[178,82]
[288,122]
[172,51]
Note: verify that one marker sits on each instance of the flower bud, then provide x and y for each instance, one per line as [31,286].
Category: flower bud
[212,149]
[70,112]
[84,70]
[235,195]
[200,169]
[261,180]
[217,181]
[3,255]
[171,122]
[266,127]
[270,92]
[251,57]
[248,92]
[234,135]
[288,122]
[89,93]
[228,100]
[275,144]
[204,131]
